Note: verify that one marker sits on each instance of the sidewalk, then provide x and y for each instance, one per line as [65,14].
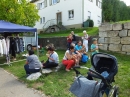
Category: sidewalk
[11,87]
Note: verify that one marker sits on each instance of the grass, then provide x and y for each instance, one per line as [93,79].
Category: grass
[57,84]
[91,31]
[121,21]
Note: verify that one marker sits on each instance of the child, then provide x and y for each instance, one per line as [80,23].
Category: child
[69,41]
[94,46]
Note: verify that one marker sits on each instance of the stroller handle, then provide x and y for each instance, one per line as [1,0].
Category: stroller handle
[100,76]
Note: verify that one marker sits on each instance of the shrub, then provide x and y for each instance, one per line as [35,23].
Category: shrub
[91,23]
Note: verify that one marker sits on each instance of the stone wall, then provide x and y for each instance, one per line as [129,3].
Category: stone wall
[59,42]
[115,37]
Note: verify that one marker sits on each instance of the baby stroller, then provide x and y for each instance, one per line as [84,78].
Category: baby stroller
[104,69]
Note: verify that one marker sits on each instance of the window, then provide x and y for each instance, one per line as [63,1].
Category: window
[89,15]
[71,14]
[91,0]
[42,4]
[99,3]
[99,20]
[42,20]
[52,2]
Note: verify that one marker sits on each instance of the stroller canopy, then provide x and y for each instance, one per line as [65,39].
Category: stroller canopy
[105,62]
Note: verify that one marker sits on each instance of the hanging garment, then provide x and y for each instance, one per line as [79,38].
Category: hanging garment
[21,45]
[8,44]
[1,48]
[17,40]
[4,47]
[13,47]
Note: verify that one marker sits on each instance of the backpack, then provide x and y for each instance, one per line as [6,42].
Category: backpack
[84,58]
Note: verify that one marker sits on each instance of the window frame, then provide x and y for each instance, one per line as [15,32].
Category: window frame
[89,14]
[53,3]
[42,20]
[99,20]
[42,5]
[99,3]
[72,11]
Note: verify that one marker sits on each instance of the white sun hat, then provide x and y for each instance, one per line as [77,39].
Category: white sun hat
[84,31]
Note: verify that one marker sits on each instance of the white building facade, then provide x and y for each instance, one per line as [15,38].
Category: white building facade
[70,13]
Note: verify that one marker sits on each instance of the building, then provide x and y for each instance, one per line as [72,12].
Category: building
[70,13]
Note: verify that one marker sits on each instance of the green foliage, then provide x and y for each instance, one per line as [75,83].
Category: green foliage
[91,23]
[115,10]
[22,12]
[92,31]
[107,10]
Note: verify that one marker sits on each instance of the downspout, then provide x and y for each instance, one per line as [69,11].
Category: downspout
[82,12]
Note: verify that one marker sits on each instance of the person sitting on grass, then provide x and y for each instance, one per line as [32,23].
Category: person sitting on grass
[78,51]
[33,63]
[53,58]
[94,46]
[69,58]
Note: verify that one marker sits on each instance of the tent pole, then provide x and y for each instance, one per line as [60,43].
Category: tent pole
[37,43]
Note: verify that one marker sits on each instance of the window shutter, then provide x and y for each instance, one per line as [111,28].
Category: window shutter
[50,2]
[58,1]
[38,6]
[45,3]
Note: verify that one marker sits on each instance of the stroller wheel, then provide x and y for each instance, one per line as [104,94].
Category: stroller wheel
[116,92]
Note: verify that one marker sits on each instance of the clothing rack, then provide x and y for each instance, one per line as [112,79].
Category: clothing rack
[8,55]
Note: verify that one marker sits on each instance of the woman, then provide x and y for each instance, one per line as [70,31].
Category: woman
[69,58]
[85,40]
[53,58]
[33,64]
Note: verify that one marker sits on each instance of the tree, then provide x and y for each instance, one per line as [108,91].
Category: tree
[115,10]
[22,12]
[107,10]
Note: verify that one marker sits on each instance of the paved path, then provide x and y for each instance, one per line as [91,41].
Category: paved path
[11,87]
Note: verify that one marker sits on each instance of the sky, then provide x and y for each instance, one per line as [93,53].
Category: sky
[127,2]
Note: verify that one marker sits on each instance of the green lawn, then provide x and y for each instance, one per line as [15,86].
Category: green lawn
[121,21]
[57,84]
[91,31]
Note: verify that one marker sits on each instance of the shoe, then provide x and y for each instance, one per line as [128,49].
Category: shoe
[67,70]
